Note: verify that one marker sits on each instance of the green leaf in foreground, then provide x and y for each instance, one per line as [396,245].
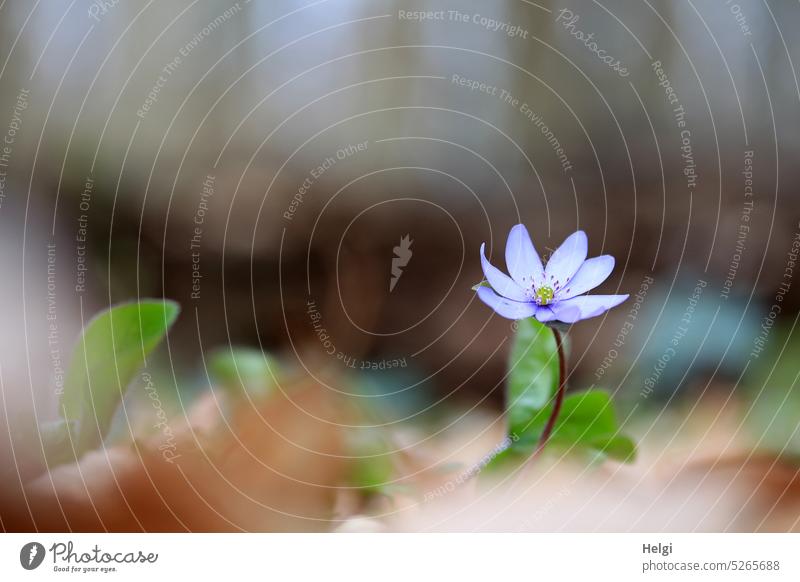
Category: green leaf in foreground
[587,423]
[111,349]
[533,376]
[588,420]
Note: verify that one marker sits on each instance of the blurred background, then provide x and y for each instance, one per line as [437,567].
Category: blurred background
[268,164]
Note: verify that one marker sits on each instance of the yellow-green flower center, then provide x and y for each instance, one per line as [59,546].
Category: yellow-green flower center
[544,295]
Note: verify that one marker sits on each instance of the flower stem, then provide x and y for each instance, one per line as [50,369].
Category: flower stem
[559,397]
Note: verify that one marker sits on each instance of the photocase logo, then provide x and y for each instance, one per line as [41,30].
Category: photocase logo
[31,555]
[402,255]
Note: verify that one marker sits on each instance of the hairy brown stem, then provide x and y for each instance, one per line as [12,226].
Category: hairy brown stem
[562,388]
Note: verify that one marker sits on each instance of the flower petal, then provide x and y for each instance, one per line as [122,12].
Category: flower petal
[545,314]
[522,260]
[585,306]
[567,259]
[501,282]
[506,307]
[590,274]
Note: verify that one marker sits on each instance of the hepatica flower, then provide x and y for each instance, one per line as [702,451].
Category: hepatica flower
[552,292]
[543,295]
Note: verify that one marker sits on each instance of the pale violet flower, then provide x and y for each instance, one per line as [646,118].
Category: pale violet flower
[549,293]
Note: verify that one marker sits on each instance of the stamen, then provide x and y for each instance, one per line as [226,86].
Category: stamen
[544,295]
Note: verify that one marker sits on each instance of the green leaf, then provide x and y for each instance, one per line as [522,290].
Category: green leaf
[584,416]
[506,460]
[481,284]
[111,349]
[241,370]
[587,421]
[533,376]
[618,447]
